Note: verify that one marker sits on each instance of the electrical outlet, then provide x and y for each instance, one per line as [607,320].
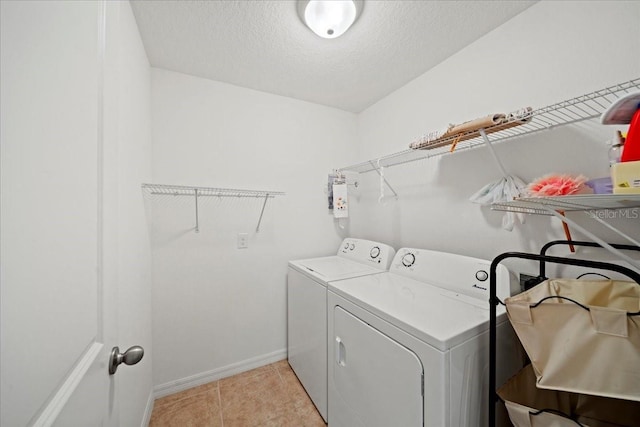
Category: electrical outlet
[243,240]
[527,281]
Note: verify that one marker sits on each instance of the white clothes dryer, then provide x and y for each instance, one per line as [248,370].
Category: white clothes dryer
[307,281]
[410,347]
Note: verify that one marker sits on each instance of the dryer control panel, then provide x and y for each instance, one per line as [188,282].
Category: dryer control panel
[368,252]
[459,274]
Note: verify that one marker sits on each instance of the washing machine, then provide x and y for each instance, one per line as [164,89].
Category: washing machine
[410,347]
[307,281]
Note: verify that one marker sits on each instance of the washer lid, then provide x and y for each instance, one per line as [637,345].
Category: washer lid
[439,317]
[332,268]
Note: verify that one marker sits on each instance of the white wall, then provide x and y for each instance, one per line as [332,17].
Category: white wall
[551,52]
[219,309]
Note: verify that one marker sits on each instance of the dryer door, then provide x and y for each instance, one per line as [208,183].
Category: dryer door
[376,380]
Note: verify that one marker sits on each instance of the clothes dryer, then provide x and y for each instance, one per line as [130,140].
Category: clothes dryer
[410,347]
[307,281]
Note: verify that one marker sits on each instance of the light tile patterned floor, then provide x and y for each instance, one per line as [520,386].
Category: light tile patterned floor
[266,396]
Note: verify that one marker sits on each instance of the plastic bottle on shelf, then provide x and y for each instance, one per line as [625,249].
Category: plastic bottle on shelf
[615,153]
[615,150]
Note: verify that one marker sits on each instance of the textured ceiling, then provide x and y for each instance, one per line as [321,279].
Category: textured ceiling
[263,45]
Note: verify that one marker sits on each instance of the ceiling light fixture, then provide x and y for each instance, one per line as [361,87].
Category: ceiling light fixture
[329,18]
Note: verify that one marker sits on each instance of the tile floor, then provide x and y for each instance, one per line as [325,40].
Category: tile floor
[267,396]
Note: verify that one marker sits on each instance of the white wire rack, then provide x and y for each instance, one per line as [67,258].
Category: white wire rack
[578,202]
[574,110]
[589,205]
[196,192]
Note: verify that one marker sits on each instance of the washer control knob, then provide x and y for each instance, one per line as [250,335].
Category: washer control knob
[375,252]
[346,245]
[352,246]
[481,275]
[408,259]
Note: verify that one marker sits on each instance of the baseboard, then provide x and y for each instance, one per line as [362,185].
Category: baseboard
[217,374]
[148,410]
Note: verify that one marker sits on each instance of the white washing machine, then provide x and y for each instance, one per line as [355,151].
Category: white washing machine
[410,347]
[307,281]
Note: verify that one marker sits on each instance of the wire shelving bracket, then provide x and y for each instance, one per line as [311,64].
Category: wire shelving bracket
[197,192]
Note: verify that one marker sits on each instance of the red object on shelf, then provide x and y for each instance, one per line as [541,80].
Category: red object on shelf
[631,151]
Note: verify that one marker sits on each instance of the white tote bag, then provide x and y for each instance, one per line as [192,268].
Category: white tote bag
[580,337]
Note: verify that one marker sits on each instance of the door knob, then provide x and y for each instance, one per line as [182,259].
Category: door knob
[130,357]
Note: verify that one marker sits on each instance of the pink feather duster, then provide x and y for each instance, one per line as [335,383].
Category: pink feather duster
[558,185]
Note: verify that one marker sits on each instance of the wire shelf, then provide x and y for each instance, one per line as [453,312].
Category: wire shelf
[579,202]
[196,192]
[588,204]
[182,190]
[574,110]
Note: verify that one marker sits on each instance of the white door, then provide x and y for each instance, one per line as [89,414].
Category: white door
[374,380]
[58,301]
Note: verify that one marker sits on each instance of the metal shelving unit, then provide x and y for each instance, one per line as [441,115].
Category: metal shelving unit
[196,192]
[574,110]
